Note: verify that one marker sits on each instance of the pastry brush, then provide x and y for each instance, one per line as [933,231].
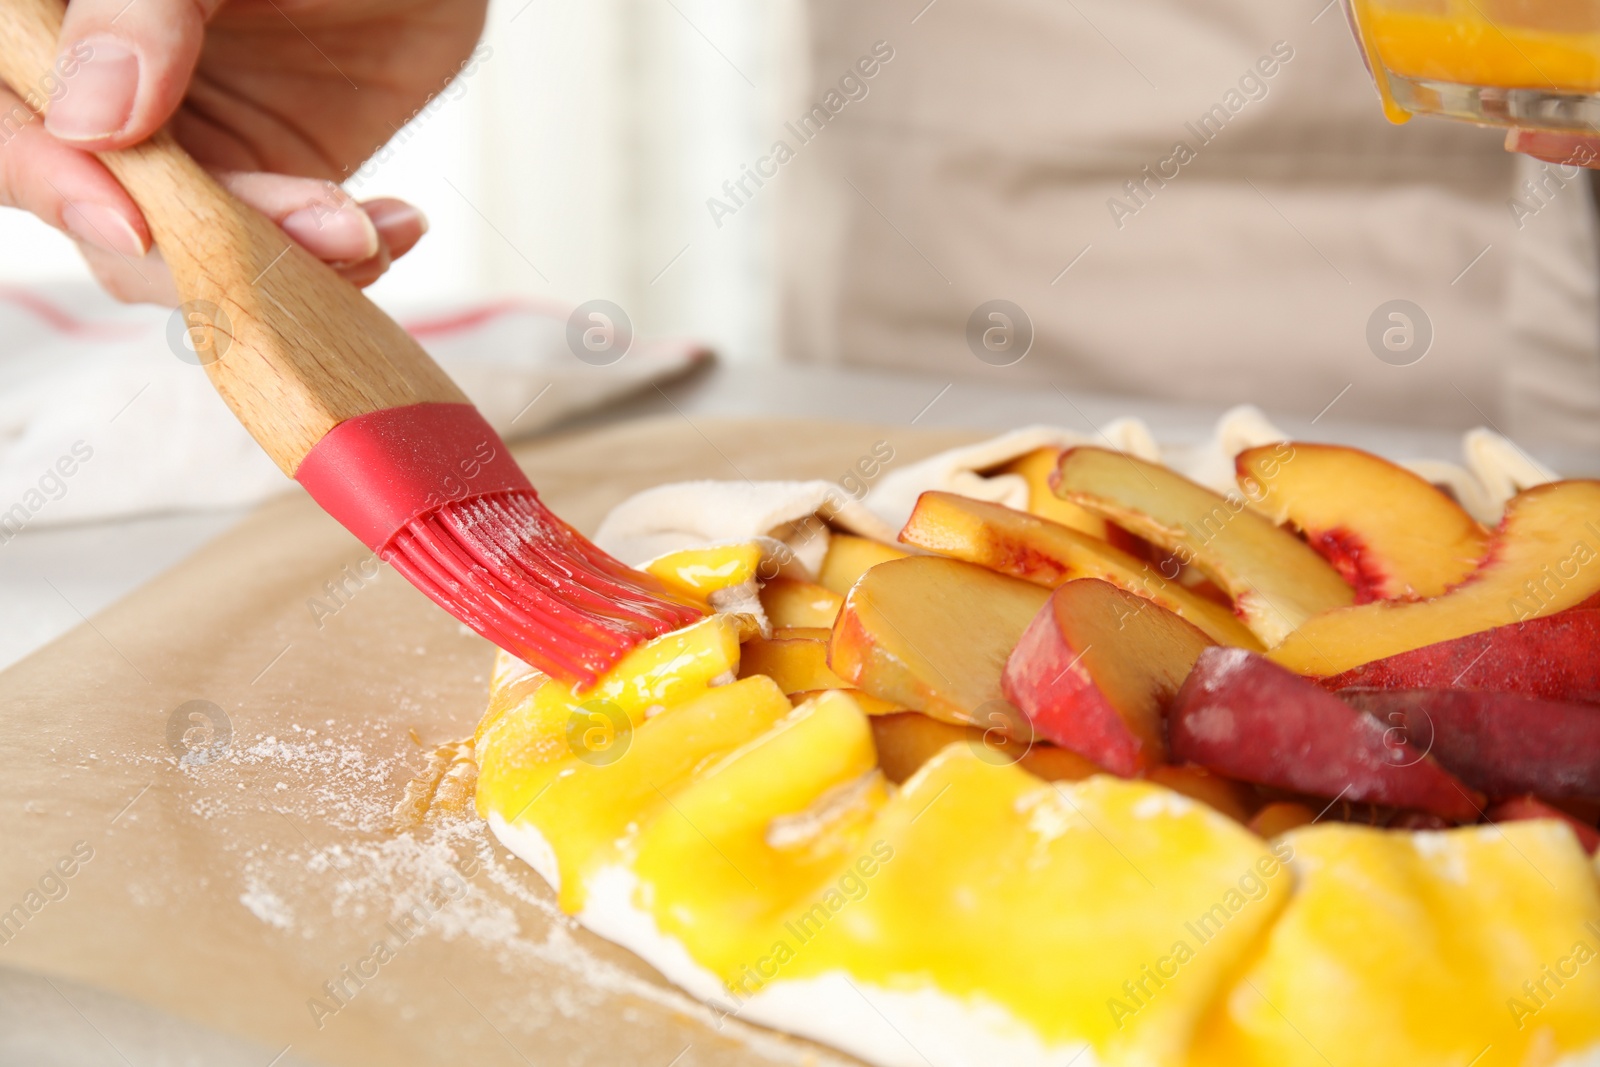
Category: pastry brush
[350,406]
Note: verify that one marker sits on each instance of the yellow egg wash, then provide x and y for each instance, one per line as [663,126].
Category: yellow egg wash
[1107,915]
[1479,945]
[535,726]
[1104,911]
[768,844]
[699,572]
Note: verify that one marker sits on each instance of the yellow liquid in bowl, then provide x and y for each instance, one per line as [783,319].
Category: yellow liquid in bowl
[1549,47]
[1513,44]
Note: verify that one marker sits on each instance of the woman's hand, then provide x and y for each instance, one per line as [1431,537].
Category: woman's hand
[279,98]
[1567,149]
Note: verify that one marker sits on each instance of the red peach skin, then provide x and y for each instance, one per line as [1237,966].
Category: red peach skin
[1556,657]
[1500,743]
[1095,669]
[1242,716]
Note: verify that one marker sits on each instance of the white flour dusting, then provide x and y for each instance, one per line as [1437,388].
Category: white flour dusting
[266,906]
[372,876]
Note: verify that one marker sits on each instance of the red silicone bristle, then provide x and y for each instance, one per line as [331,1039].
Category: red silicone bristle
[492,555]
[509,568]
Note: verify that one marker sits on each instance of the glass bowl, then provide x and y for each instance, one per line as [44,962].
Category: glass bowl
[1528,63]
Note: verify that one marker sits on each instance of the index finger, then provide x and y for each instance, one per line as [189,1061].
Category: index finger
[1566,149]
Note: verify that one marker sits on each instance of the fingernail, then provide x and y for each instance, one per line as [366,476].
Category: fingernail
[342,235]
[104,227]
[99,95]
[1535,142]
[390,216]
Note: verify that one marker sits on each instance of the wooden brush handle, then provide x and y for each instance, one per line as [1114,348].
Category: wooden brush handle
[298,349]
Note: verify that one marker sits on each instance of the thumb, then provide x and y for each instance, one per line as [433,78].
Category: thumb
[126,67]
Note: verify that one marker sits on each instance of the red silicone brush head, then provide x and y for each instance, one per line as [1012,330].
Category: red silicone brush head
[433,490]
[505,565]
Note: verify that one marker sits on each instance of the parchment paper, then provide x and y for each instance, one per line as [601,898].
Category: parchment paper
[250,893]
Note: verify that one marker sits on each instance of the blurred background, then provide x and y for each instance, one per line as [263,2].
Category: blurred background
[574,161]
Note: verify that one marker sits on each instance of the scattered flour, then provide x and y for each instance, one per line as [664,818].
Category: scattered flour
[266,906]
[373,876]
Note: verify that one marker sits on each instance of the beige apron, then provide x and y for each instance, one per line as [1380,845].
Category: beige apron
[1189,199]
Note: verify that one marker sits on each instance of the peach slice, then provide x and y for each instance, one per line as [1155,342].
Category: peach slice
[1024,546]
[1412,948]
[1281,816]
[808,633]
[1556,657]
[1276,581]
[1242,716]
[1009,895]
[1390,533]
[585,808]
[1095,669]
[1234,799]
[1035,468]
[1530,807]
[869,704]
[1501,743]
[759,834]
[931,634]
[797,664]
[1056,764]
[792,602]
[849,557]
[699,572]
[908,739]
[1543,558]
